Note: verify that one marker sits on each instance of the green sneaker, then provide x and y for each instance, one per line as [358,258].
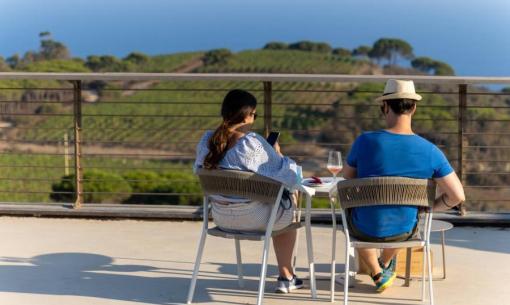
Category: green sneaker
[383,280]
[391,265]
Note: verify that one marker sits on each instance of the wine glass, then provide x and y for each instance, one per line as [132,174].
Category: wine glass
[334,163]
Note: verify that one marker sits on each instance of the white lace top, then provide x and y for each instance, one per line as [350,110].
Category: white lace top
[253,153]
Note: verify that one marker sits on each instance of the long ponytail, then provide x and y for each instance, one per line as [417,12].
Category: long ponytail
[218,145]
[236,106]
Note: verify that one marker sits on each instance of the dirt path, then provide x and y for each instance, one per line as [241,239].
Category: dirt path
[188,67]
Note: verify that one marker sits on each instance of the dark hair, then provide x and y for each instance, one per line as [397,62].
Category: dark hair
[236,106]
[401,106]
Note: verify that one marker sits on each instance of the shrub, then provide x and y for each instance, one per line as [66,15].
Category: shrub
[137,58]
[342,52]
[217,56]
[168,182]
[276,45]
[100,187]
[106,63]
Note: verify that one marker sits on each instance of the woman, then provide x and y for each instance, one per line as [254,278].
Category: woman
[233,146]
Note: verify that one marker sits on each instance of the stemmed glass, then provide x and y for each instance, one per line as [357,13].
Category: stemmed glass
[335,163]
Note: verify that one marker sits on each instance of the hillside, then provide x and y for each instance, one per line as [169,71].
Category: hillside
[163,120]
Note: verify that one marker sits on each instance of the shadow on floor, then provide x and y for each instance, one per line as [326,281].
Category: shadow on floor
[94,275]
[483,239]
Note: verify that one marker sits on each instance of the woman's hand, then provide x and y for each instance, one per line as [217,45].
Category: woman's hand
[276,147]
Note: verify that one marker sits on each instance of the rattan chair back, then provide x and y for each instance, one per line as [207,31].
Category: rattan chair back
[243,184]
[386,191]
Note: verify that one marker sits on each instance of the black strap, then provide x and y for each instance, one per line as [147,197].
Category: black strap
[377,276]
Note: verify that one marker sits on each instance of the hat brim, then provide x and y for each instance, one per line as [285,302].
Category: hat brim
[399,95]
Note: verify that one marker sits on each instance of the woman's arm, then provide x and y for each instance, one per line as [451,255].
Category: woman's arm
[253,153]
[202,150]
[452,192]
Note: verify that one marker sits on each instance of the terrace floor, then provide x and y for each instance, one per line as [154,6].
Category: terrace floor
[79,261]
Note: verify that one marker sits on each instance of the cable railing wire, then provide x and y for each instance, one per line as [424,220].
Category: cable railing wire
[117,136]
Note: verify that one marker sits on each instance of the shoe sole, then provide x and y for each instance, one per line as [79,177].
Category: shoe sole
[288,290]
[387,284]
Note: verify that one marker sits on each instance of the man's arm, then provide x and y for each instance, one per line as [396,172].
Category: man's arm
[349,172]
[452,192]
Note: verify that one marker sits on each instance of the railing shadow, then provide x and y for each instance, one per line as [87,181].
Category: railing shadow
[95,275]
[91,275]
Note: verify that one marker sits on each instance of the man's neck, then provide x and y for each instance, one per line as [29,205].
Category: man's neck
[399,124]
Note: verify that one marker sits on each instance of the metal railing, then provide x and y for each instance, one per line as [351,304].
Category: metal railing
[133,144]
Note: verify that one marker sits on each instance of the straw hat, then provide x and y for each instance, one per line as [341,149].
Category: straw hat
[396,89]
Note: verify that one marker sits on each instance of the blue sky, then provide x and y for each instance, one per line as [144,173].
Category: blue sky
[473,36]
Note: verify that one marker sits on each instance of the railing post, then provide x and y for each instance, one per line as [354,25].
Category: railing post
[461,126]
[268,96]
[66,154]
[77,126]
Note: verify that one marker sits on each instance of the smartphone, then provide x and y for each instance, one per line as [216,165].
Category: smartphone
[273,137]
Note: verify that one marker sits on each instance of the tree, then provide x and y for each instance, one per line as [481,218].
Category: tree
[217,56]
[30,57]
[3,65]
[424,64]
[44,34]
[311,46]
[51,49]
[361,51]
[13,61]
[429,65]
[276,45]
[137,58]
[105,63]
[443,68]
[342,52]
[391,49]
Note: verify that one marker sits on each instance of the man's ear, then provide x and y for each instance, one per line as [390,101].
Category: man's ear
[414,109]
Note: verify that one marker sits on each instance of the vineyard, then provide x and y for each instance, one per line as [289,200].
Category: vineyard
[153,127]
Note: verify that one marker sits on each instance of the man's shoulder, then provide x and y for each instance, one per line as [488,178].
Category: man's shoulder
[424,141]
[370,135]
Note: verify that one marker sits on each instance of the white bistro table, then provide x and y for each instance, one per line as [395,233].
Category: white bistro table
[329,190]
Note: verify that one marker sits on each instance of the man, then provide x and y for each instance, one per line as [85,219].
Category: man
[396,151]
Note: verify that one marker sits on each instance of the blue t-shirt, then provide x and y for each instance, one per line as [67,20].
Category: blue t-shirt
[382,153]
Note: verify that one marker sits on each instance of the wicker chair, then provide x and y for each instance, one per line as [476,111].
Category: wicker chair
[253,187]
[388,191]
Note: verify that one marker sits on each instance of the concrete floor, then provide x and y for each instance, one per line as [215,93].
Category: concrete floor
[76,261]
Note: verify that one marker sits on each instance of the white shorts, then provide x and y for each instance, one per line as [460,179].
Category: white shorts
[250,216]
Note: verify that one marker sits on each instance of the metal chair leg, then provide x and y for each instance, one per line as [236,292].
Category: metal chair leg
[200,251]
[409,253]
[424,260]
[444,254]
[309,247]
[239,263]
[294,258]
[333,249]
[346,275]
[429,264]
[263,271]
